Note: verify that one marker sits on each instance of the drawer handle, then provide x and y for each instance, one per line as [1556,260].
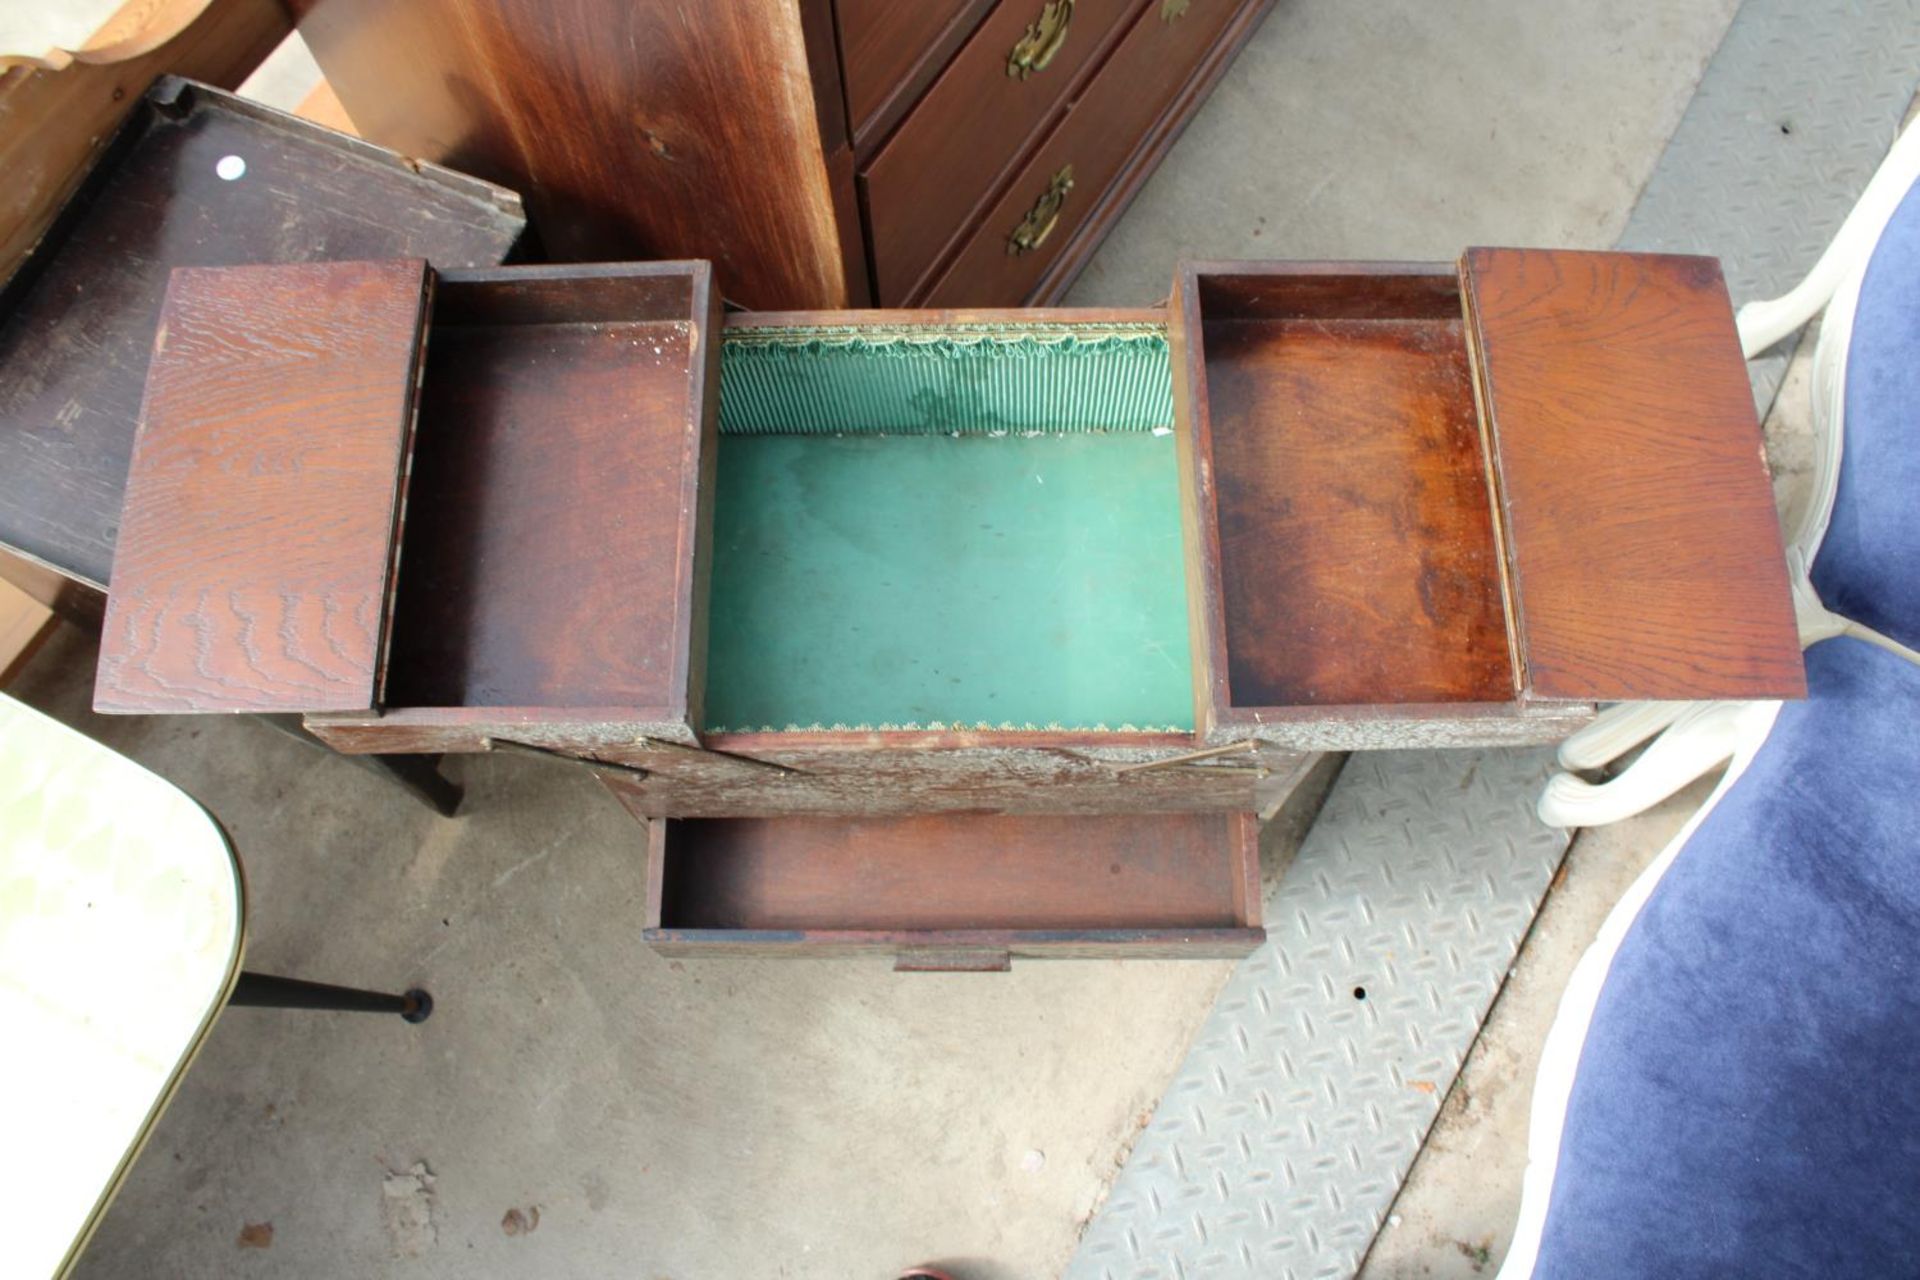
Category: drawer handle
[1045,34]
[1171,9]
[955,960]
[1043,217]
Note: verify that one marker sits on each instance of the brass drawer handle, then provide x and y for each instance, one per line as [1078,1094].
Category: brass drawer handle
[1045,214]
[1045,34]
[1171,9]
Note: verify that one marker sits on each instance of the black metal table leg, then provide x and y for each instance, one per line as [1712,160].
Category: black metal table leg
[261,990]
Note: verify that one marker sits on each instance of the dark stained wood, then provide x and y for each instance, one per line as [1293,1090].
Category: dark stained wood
[968,130]
[1159,139]
[820,36]
[77,320]
[561,497]
[961,951]
[652,128]
[265,493]
[888,51]
[1644,549]
[634,128]
[1153,62]
[1199,525]
[1357,556]
[946,317]
[950,886]
[928,872]
[1080,777]
[59,112]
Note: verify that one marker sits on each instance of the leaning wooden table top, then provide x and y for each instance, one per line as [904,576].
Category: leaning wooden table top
[192,177]
[121,928]
[909,563]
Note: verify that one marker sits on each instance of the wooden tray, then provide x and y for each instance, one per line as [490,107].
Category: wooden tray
[77,317]
[539,564]
[1439,497]
[957,892]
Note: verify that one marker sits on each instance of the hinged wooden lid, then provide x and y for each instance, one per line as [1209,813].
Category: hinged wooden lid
[267,490]
[1643,554]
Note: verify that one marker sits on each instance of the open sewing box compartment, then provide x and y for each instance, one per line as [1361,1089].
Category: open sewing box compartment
[1323,506]
[1470,496]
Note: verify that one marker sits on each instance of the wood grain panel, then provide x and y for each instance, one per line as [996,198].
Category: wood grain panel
[888,50]
[1154,871]
[265,493]
[558,504]
[1153,147]
[924,186]
[634,128]
[1002,779]
[1358,562]
[77,321]
[1644,550]
[57,112]
[1098,137]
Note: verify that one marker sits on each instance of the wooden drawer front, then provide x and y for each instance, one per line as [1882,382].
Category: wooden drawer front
[883,43]
[956,892]
[1094,142]
[925,185]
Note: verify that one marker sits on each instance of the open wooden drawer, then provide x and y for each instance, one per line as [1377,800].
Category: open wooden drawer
[956,893]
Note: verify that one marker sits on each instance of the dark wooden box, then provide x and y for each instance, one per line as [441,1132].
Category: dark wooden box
[194,177]
[950,634]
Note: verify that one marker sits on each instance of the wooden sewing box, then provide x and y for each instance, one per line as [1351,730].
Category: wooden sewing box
[952,634]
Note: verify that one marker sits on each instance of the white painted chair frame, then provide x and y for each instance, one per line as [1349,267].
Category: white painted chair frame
[1692,738]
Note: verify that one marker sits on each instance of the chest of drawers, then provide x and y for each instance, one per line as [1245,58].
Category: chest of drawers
[820,154]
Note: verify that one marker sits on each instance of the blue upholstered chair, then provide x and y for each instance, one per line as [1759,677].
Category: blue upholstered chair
[1732,1085]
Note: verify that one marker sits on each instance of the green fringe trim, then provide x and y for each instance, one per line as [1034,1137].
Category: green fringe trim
[940,726]
[1042,379]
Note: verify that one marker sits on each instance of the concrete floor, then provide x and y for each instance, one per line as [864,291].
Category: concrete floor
[830,1119]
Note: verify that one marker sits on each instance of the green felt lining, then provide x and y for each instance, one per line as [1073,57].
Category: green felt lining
[872,571]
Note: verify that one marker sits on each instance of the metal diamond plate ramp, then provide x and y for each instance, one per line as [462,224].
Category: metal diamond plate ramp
[1283,1139]
[1793,115]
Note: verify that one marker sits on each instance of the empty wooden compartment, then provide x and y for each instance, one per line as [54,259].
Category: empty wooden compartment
[1462,498]
[497,534]
[957,892]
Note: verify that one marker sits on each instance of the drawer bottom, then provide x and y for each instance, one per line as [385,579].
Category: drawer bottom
[957,892]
